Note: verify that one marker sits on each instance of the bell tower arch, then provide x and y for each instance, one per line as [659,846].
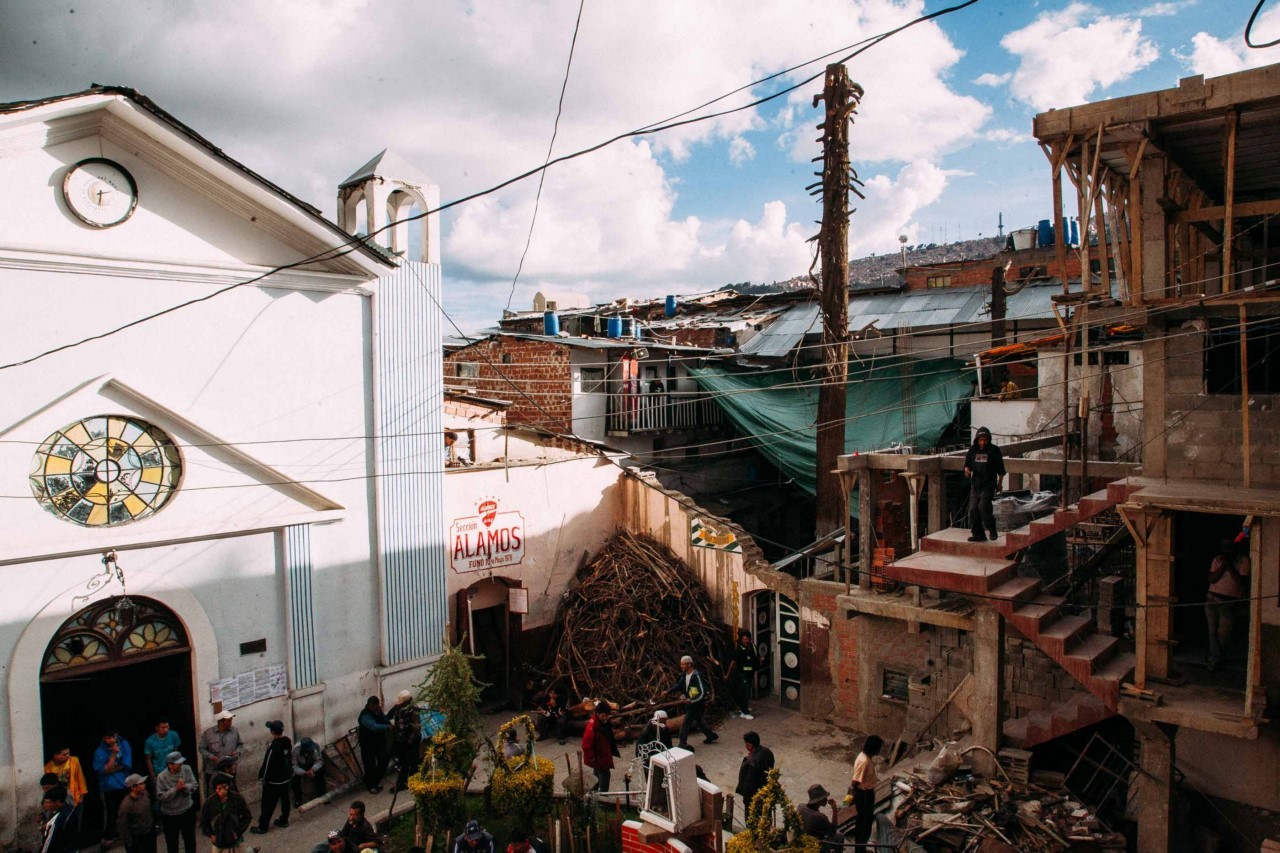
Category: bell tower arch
[387,191]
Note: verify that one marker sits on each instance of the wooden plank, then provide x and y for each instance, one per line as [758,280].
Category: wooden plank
[1253,689]
[1229,195]
[1158,559]
[1217,213]
[1244,397]
[1136,284]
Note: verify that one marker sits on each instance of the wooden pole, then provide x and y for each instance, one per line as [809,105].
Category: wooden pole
[841,98]
[1229,191]
[1244,398]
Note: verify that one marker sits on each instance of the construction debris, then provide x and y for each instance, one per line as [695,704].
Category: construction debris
[629,616]
[964,812]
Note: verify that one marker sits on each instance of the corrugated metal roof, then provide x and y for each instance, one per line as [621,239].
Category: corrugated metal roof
[916,309]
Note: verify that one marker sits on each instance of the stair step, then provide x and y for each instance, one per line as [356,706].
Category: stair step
[1017,590]
[1091,505]
[1057,637]
[1118,669]
[1093,651]
[1041,610]
[955,540]
[973,575]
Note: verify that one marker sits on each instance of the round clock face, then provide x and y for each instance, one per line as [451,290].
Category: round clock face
[101,193]
[105,471]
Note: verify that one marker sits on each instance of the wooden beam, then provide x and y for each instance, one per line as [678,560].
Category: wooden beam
[1229,195]
[1244,397]
[1254,692]
[1241,210]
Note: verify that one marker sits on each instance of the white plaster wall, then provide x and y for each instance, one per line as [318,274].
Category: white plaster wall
[569,509]
[588,410]
[1247,771]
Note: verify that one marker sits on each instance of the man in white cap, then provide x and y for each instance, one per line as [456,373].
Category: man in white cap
[654,731]
[693,688]
[175,793]
[135,822]
[406,732]
[218,742]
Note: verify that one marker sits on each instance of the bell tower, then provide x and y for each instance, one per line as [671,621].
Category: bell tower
[391,190]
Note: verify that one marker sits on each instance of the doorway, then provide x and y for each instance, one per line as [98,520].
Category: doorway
[486,628]
[121,663]
[1197,539]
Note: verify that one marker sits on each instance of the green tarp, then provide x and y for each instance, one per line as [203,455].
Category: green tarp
[895,401]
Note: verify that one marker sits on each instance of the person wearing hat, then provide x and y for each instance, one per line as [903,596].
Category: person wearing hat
[358,832]
[753,772]
[276,775]
[220,741]
[551,715]
[693,688]
[374,728]
[984,466]
[225,816]
[654,731]
[599,745]
[406,729]
[813,821]
[135,822]
[335,843]
[308,763]
[473,840]
[742,673]
[175,794]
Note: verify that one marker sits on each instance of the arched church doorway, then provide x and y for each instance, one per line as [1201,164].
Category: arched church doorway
[121,662]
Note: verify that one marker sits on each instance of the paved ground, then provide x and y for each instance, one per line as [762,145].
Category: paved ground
[806,752]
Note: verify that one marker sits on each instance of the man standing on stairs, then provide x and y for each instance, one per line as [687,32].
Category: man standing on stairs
[984,466]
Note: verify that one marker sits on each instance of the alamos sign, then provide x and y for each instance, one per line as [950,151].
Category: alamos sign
[487,540]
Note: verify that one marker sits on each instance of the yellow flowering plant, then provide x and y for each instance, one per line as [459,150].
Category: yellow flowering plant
[762,833]
[437,786]
[521,786]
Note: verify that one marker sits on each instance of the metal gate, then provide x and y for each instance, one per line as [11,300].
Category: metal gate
[789,651]
[762,631]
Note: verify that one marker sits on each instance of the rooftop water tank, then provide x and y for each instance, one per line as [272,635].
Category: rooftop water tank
[614,328]
[550,323]
[671,305]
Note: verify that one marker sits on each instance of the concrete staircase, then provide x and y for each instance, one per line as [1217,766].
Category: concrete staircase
[948,561]
[1042,726]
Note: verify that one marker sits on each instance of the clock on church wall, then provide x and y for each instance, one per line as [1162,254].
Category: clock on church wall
[105,471]
[100,192]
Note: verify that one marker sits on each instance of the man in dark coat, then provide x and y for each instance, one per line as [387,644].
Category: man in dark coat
[742,672]
[225,815]
[59,830]
[754,770]
[693,688]
[599,745]
[276,775]
[984,466]
[406,726]
[375,728]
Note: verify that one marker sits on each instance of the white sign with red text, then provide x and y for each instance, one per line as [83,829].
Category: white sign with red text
[490,539]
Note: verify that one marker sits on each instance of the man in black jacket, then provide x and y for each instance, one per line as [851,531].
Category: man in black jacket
[984,466]
[693,688]
[742,672]
[276,774]
[59,830]
[754,770]
[224,816]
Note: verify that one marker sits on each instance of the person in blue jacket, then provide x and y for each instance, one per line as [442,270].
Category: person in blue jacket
[693,688]
[113,762]
[374,751]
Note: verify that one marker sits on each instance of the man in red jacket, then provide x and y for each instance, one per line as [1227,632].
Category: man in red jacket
[599,746]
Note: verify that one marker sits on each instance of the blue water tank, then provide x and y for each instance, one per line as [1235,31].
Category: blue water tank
[1074,239]
[671,305]
[1045,235]
[636,328]
[614,328]
[550,323]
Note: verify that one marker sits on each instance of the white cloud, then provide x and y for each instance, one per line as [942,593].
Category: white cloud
[891,206]
[1006,136]
[990,79]
[740,151]
[1213,56]
[1066,56]
[1164,9]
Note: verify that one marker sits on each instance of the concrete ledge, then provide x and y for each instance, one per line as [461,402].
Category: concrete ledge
[902,610]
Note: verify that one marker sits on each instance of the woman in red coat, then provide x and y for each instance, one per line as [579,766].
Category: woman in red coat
[598,745]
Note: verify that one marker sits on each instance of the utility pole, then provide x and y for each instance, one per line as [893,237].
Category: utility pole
[841,97]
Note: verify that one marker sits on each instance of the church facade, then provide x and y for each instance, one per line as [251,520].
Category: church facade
[220,440]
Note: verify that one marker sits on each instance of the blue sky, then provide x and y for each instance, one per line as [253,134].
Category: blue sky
[305,91]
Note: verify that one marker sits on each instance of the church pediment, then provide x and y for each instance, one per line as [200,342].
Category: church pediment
[104,466]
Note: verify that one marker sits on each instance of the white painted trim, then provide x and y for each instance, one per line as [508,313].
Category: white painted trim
[26,736]
[31,259]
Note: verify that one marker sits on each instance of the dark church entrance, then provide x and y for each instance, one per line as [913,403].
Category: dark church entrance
[120,664]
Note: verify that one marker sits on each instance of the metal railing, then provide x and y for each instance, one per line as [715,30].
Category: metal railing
[661,410]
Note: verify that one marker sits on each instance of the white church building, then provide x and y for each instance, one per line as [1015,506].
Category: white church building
[221,458]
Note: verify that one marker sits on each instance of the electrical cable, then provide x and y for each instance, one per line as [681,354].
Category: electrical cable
[542,176]
[1248,29]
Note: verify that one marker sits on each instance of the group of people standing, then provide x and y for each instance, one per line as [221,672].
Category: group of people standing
[159,793]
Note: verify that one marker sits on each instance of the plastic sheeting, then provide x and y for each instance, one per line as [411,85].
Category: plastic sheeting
[893,402]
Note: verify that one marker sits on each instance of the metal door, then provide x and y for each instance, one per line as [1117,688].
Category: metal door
[789,651]
[762,631]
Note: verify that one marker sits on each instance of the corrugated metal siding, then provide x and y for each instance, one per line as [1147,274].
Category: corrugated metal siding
[302,620]
[410,456]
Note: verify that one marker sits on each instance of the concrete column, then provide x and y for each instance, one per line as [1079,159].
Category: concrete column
[937,502]
[988,686]
[1155,786]
[867,480]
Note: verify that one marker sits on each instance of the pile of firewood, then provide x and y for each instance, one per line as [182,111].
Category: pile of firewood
[626,620]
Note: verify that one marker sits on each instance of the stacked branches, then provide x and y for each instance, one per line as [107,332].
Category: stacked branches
[626,620]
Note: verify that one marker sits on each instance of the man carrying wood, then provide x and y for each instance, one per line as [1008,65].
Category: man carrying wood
[693,688]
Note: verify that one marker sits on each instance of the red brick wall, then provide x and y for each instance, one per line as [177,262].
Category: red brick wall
[633,843]
[970,273]
[538,369]
[844,671]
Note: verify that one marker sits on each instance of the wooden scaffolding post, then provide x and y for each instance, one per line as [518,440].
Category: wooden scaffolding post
[1229,198]
[841,97]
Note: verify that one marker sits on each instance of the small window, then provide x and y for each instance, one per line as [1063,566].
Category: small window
[938,281]
[592,379]
[466,370]
[895,685]
[506,358]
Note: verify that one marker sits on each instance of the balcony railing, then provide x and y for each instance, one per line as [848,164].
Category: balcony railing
[663,410]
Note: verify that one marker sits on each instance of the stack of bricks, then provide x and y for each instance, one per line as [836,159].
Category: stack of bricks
[1033,681]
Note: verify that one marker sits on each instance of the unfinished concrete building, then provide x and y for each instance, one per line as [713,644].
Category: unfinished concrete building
[1180,189]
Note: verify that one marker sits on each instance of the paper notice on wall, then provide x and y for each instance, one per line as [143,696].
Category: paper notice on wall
[246,688]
